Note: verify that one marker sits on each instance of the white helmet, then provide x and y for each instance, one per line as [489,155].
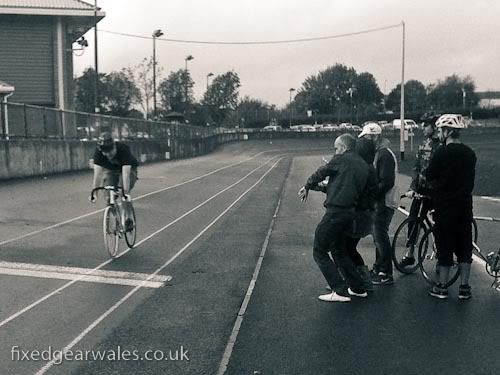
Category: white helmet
[450,121]
[370,128]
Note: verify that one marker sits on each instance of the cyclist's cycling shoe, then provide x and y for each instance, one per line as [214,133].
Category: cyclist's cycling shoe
[129,225]
[407,261]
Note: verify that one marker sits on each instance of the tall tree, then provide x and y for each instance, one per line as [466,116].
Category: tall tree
[221,98]
[120,93]
[142,76]
[453,93]
[415,97]
[176,91]
[253,113]
[84,91]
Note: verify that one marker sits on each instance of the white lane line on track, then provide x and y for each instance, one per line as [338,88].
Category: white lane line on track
[96,322]
[491,199]
[58,290]
[71,273]
[137,198]
[239,319]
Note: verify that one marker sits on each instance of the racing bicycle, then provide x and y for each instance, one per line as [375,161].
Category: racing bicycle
[428,261]
[115,224]
[411,232]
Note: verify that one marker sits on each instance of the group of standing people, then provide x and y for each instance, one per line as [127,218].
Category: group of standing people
[361,197]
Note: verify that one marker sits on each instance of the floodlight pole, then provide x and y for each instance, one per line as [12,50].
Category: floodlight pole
[96,82]
[402,111]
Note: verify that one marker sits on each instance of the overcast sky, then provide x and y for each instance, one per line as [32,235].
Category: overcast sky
[442,37]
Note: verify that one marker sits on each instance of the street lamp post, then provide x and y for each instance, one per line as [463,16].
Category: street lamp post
[188,58]
[291,113]
[156,34]
[208,76]
[350,94]
[96,81]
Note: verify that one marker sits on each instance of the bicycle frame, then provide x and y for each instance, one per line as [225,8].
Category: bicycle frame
[115,229]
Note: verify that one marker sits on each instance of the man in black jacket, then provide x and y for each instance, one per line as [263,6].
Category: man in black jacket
[348,175]
[451,174]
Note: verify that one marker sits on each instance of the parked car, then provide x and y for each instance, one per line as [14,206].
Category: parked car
[356,128]
[385,124]
[307,128]
[409,124]
[330,127]
[272,128]
[302,128]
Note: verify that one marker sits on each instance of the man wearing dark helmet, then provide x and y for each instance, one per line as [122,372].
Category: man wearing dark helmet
[114,164]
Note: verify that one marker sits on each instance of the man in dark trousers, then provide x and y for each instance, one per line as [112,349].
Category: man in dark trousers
[451,174]
[387,198]
[347,176]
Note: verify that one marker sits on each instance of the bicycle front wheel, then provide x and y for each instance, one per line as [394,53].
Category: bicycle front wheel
[427,259]
[409,232]
[131,233]
[110,227]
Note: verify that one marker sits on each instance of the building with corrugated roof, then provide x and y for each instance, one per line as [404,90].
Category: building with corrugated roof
[36,48]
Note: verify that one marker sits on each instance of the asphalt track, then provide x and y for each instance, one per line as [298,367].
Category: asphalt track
[235,240]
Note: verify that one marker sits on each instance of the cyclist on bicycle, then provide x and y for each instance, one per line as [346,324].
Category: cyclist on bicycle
[419,183]
[451,173]
[114,165]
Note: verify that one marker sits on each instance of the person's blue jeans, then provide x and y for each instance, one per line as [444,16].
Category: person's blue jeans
[383,250]
[330,236]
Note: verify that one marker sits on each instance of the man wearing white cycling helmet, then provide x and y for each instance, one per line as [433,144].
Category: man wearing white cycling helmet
[451,173]
[386,200]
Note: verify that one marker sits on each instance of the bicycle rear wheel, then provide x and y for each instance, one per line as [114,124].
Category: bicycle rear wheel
[427,259]
[130,235]
[410,228]
[111,231]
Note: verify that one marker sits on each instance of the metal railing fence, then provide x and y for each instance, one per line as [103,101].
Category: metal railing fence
[28,121]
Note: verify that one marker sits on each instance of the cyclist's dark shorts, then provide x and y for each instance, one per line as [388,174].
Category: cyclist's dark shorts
[114,177]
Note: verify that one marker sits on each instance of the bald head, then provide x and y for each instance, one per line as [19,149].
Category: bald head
[343,143]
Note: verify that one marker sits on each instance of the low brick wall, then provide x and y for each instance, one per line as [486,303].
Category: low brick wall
[38,157]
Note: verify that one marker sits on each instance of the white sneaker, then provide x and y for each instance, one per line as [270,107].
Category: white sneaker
[361,294]
[334,297]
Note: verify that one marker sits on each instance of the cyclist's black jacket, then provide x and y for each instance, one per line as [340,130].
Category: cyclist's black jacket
[122,157]
[451,173]
[425,152]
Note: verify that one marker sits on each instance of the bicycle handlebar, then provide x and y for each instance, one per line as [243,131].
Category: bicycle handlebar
[415,196]
[109,188]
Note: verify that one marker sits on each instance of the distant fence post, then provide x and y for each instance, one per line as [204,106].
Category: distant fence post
[3,108]
[25,121]
[44,118]
[61,113]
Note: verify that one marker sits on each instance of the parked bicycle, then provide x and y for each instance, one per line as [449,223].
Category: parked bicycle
[408,238]
[117,222]
[428,261]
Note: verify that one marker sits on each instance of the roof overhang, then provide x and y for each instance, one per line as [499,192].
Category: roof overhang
[52,12]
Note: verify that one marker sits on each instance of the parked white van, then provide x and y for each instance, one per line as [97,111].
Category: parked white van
[409,124]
